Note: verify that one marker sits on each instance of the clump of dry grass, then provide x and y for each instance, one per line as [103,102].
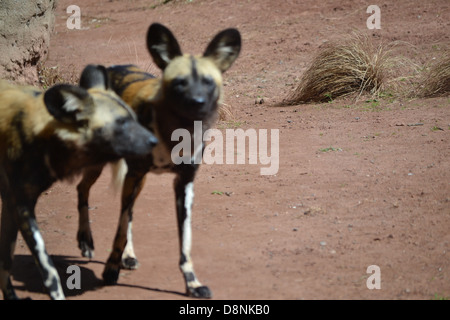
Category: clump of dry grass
[49,76]
[436,79]
[340,69]
[225,112]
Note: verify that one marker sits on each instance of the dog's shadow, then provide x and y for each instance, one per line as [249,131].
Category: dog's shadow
[27,274]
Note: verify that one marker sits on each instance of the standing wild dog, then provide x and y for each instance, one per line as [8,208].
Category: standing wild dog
[189,90]
[45,137]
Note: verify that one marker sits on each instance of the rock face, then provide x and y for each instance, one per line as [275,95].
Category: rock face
[25,29]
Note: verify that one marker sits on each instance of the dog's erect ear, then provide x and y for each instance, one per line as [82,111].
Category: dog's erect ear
[94,76]
[68,103]
[162,45]
[224,48]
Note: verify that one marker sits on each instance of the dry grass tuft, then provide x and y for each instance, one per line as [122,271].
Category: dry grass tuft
[49,76]
[353,66]
[436,78]
[225,112]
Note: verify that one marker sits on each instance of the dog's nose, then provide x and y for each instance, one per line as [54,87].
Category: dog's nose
[153,141]
[198,101]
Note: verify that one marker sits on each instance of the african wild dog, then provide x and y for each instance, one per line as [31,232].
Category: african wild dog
[45,137]
[189,90]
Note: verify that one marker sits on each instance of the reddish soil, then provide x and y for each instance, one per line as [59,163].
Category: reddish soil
[358,184]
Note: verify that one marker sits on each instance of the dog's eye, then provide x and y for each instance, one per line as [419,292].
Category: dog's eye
[208,81]
[121,121]
[179,83]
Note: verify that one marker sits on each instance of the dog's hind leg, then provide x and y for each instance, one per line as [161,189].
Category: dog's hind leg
[133,184]
[84,234]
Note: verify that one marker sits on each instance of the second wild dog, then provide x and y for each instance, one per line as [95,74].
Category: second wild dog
[189,90]
[45,137]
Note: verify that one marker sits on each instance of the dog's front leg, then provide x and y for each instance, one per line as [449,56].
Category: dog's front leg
[8,237]
[184,193]
[30,232]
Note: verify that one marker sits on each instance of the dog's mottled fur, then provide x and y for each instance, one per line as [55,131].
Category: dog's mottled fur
[53,135]
[190,90]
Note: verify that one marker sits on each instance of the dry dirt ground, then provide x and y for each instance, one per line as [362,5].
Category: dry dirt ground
[359,183]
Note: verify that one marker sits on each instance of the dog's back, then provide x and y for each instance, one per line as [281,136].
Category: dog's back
[21,111]
[131,83]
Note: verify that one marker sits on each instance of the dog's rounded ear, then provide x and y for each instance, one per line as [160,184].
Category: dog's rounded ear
[68,103]
[162,45]
[95,76]
[224,48]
